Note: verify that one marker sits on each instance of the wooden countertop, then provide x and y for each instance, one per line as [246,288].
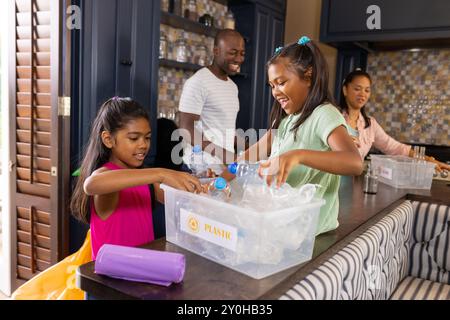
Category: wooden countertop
[205,279]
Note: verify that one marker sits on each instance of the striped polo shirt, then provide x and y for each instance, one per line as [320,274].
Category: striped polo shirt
[217,103]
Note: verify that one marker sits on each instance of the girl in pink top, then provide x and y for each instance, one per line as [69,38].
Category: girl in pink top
[365,130]
[112,189]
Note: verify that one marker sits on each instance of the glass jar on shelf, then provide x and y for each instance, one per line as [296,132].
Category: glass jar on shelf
[176,7]
[165,5]
[181,49]
[167,109]
[162,112]
[207,20]
[191,10]
[229,20]
[201,57]
[163,47]
[171,112]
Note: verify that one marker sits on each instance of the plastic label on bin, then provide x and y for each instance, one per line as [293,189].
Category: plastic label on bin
[207,229]
[386,173]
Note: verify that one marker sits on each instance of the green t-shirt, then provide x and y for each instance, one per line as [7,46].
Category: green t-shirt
[313,135]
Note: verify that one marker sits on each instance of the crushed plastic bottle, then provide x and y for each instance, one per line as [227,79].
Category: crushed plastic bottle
[243,169]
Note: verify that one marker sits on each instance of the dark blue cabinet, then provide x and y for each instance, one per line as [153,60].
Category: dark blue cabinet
[114,53]
[347,20]
[264,28]
[117,55]
[359,27]
[274,5]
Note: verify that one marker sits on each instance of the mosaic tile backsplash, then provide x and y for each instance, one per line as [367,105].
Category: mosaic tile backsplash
[171,80]
[171,83]
[411,95]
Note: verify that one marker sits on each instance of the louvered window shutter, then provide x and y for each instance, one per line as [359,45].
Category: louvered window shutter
[35,137]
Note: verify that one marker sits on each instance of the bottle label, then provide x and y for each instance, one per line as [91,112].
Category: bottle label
[207,229]
[386,173]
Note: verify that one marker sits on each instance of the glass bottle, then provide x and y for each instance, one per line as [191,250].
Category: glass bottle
[229,20]
[181,49]
[162,47]
[191,10]
[370,181]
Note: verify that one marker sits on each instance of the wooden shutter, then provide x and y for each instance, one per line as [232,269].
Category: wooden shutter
[35,135]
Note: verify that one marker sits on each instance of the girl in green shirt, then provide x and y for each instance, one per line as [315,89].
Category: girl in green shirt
[307,140]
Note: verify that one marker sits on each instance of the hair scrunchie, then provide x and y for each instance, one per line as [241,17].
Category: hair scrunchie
[277,50]
[303,40]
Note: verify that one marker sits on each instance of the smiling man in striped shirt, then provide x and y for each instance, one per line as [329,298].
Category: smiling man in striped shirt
[209,102]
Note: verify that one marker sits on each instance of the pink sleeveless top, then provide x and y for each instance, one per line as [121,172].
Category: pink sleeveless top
[130,224]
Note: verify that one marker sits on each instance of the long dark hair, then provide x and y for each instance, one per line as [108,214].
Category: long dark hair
[309,63]
[343,103]
[112,116]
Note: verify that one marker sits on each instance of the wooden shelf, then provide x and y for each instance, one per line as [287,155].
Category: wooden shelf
[188,66]
[179,65]
[178,22]
[224,2]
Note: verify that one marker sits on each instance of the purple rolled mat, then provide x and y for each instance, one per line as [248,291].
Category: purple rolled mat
[142,265]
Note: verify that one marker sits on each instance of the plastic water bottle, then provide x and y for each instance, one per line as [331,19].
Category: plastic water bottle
[219,189]
[197,165]
[243,169]
[246,174]
[246,178]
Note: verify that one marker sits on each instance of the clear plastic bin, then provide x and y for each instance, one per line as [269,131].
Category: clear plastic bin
[257,244]
[403,172]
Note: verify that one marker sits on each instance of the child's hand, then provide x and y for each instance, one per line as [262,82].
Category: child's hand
[210,173]
[181,180]
[280,167]
[204,188]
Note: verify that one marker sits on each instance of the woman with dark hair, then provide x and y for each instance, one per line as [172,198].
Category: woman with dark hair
[365,130]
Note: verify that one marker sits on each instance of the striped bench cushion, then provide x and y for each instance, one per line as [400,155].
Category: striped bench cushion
[370,267]
[412,288]
[430,242]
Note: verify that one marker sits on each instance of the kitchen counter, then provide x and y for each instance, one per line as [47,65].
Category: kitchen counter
[205,279]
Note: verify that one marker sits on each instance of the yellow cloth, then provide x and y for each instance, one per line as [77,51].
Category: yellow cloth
[58,281]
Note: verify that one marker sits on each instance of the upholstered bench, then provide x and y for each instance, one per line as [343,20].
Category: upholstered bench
[405,255]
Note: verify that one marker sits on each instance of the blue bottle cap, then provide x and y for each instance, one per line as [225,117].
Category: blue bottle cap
[197,148]
[232,167]
[220,183]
